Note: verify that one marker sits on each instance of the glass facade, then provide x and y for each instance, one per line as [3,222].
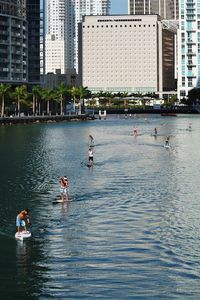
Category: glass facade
[167,9]
[189,47]
[19,41]
[13,41]
[33,18]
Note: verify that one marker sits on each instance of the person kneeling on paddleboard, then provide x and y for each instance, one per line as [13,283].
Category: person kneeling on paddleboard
[22,220]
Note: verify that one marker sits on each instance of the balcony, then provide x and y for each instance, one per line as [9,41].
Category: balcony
[4,42]
[191,42]
[191,64]
[191,75]
[191,53]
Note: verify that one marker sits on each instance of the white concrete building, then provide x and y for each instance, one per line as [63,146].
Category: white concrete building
[55,54]
[189,47]
[87,8]
[62,19]
[126,53]
[56,11]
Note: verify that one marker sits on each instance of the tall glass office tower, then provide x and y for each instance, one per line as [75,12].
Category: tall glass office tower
[189,47]
[19,41]
[167,9]
[33,18]
[13,41]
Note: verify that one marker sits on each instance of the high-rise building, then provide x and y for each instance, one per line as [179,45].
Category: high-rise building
[189,47]
[55,54]
[13,42]
[167,9]
[60,30]
[33,18]
[87,8]
[62,19]
[19,41]
[126,53]
[56,12]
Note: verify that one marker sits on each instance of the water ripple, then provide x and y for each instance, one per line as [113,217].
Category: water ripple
[132,229]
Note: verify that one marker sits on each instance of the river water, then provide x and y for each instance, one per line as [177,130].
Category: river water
[132,230]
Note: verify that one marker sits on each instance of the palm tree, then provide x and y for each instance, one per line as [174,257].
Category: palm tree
[36,90]
[84,93]
[48,95]
[62,92]
[124,96]
[20,94]
[75,94]
[4,89]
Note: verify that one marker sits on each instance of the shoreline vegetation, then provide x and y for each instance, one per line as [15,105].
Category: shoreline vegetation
[77,103]
[94,114]
[45,119]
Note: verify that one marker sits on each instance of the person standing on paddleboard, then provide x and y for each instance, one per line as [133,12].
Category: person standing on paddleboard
[167,141]
[22,220]
[64,184]
[90,157]
[91,141]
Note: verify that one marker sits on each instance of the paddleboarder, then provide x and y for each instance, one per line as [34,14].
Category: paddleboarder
[64,184]
[22,220]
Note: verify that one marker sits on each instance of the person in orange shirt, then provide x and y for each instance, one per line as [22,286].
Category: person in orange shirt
[22,220]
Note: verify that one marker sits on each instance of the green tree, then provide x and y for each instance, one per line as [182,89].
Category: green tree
[20,95]
[173,99]
[48,95]
[103,101]
[4,90]
[62,91]
[75,94]
[36,94]
[84,93]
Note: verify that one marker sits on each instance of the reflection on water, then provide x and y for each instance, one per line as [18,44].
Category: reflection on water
[132,229]
[23,264]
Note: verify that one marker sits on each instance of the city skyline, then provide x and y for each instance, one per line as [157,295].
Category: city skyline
[62,17]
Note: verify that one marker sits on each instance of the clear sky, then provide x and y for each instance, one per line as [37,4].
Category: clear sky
[119,7]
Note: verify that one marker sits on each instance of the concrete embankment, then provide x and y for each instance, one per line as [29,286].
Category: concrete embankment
[147,110]
[44,119]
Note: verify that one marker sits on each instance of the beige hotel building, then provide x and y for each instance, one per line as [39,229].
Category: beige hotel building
[129,53]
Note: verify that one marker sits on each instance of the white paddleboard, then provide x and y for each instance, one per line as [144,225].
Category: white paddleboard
[23,235]
[61,201]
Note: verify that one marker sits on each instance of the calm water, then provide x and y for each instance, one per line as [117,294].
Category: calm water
[132,230]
